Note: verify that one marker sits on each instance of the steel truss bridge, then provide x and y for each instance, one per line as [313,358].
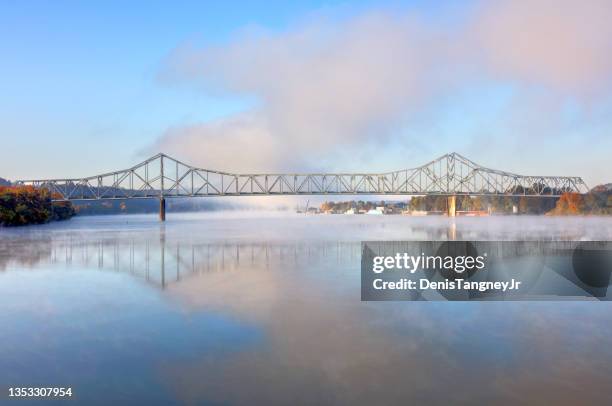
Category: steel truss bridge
[162,176]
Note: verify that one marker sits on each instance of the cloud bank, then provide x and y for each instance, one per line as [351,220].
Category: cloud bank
[329,86]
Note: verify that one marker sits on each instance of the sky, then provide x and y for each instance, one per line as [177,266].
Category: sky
[522,86]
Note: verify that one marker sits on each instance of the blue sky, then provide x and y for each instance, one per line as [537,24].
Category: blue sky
[79,78]
[89,87]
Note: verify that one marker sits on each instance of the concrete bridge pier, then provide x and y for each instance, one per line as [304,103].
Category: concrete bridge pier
[162,209]
[452,206]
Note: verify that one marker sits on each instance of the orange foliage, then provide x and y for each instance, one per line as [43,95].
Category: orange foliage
[569,204]
[20,205]
[17,189]
[327,206]
[23,190]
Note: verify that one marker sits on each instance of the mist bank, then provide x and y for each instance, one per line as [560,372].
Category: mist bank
[182,204]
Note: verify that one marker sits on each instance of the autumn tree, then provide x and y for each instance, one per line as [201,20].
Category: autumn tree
[21,205]
[569,204]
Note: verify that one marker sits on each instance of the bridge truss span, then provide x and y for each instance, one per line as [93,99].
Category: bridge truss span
[162,176]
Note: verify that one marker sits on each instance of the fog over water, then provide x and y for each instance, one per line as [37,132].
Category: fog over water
[256,307]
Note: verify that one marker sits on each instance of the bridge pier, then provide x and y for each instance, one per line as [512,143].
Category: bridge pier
[162,209]
[452,206]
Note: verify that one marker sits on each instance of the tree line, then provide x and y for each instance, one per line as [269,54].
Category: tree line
[22,205]
[596,202]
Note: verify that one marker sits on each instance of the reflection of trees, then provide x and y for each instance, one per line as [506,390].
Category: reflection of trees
[26,253]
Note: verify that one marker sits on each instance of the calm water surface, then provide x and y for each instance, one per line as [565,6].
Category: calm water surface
[250,308]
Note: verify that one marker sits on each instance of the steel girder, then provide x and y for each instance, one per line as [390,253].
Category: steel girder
[163,176]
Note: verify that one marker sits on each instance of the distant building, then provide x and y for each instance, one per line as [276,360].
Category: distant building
[415,212]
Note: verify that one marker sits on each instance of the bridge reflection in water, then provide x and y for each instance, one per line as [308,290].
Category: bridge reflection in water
[161,263]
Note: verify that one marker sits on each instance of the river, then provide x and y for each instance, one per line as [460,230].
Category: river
[264,308]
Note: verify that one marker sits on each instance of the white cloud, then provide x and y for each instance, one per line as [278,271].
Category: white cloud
[320,87]
[562,44]
[327,85]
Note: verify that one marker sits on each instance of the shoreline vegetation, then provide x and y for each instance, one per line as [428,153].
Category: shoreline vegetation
[23,205]
[597,202]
